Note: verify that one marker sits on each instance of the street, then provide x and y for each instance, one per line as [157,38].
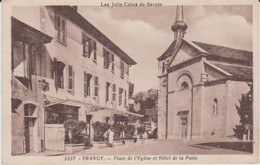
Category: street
[159,147]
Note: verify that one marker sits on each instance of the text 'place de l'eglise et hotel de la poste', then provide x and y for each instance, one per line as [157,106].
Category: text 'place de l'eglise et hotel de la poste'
[200,86]
[63,68]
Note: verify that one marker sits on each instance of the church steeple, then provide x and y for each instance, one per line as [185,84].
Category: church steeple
[179,27]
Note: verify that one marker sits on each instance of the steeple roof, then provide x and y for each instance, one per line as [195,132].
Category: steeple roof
[179,27]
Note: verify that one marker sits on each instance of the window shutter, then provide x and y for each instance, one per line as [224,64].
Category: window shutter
[95,45]
[83,38]
[85,84]
[57,22]
[66,77]
[55,69]
[104,56]
[90,47]
[73,81]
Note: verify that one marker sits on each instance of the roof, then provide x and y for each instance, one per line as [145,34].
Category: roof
[28,33]
[214,51]
[79,20]
[168,51]
[236,71]
[226,52]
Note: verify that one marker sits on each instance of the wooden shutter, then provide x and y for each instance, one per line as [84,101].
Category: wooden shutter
[104,56]
[95,45]
[85,84]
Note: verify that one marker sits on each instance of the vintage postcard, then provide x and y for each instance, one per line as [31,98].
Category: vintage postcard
[130,82]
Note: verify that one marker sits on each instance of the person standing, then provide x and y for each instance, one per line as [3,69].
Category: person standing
[135,136]
[70,135]
[106,136]
[111,138]
[123,136]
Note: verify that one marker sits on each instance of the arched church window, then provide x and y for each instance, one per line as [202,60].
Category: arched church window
[184,85]
[215,107]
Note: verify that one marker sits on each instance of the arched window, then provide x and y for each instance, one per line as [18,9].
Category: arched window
[215,107]
[184,85]
[163,67]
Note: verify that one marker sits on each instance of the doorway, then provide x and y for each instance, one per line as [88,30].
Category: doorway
[29,124]
[184,127]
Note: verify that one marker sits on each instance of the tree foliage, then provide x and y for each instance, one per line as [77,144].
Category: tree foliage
[99,129]
[77,130]
[147,100]
[245,112]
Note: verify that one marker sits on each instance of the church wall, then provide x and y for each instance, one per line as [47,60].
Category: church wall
[195,71]
[213,125]
[198,93]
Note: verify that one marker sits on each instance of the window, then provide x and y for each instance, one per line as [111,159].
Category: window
[89,47]
[96,86]
[107,91]
[61,30]
[58,69]
[87,78]
[114,92]
[184,85]
[163,67]
[71,79]
[215,107]
[122,69]
[120,96]
[204,77]
[125,97]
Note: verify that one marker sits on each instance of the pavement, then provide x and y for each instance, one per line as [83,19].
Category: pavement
[152,147]
[161,147]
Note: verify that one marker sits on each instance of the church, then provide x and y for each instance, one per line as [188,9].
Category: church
[200,86]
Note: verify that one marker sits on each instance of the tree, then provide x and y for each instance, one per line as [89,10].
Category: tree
[77,129]
[245,112]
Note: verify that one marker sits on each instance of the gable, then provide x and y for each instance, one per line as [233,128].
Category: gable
[181,56]
[185,53]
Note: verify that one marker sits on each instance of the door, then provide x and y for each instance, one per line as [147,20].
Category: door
[54,137]
[184,127]
[29,134]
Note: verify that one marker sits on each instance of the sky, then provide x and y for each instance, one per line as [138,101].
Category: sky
[144,33]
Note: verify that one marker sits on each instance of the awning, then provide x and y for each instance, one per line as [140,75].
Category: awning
[51,101]
[90,108]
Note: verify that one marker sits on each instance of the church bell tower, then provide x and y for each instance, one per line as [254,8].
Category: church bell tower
[179,27]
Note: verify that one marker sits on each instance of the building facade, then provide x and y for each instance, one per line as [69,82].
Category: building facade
[200,86]
[62,68]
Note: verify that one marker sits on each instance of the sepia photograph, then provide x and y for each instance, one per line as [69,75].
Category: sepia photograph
[130,82]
